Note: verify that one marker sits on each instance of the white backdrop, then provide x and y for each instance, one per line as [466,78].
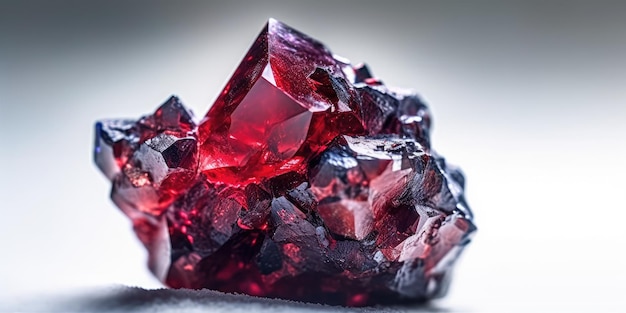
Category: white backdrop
[528,97]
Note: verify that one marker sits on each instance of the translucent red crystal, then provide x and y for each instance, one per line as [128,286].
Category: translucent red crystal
[262,123]
[308,179]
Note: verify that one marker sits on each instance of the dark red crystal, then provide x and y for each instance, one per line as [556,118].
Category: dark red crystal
[308,180]
[263,123]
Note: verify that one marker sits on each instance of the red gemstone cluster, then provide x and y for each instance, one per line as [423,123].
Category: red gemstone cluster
[308,179]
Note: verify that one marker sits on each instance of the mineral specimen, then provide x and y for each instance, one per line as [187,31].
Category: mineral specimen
[308,179]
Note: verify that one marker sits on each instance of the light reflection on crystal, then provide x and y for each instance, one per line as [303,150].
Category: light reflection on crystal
[308,179]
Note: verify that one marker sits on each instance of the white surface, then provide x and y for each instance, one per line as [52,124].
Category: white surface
[529,98]
[128,299]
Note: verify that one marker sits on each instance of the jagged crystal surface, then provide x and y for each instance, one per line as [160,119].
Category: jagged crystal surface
[308,179]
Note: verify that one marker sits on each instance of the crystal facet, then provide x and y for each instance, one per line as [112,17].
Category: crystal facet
[308,179]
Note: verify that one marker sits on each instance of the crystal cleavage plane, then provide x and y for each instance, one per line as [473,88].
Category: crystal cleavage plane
[308,179]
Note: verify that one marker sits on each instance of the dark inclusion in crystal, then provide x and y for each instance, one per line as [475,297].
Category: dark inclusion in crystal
[308,179]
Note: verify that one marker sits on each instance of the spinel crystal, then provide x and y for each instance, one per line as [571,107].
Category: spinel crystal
[308,179]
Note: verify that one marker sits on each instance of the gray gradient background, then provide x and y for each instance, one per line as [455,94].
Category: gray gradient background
[528,97]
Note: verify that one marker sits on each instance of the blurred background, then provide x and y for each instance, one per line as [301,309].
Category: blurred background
[528,97]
